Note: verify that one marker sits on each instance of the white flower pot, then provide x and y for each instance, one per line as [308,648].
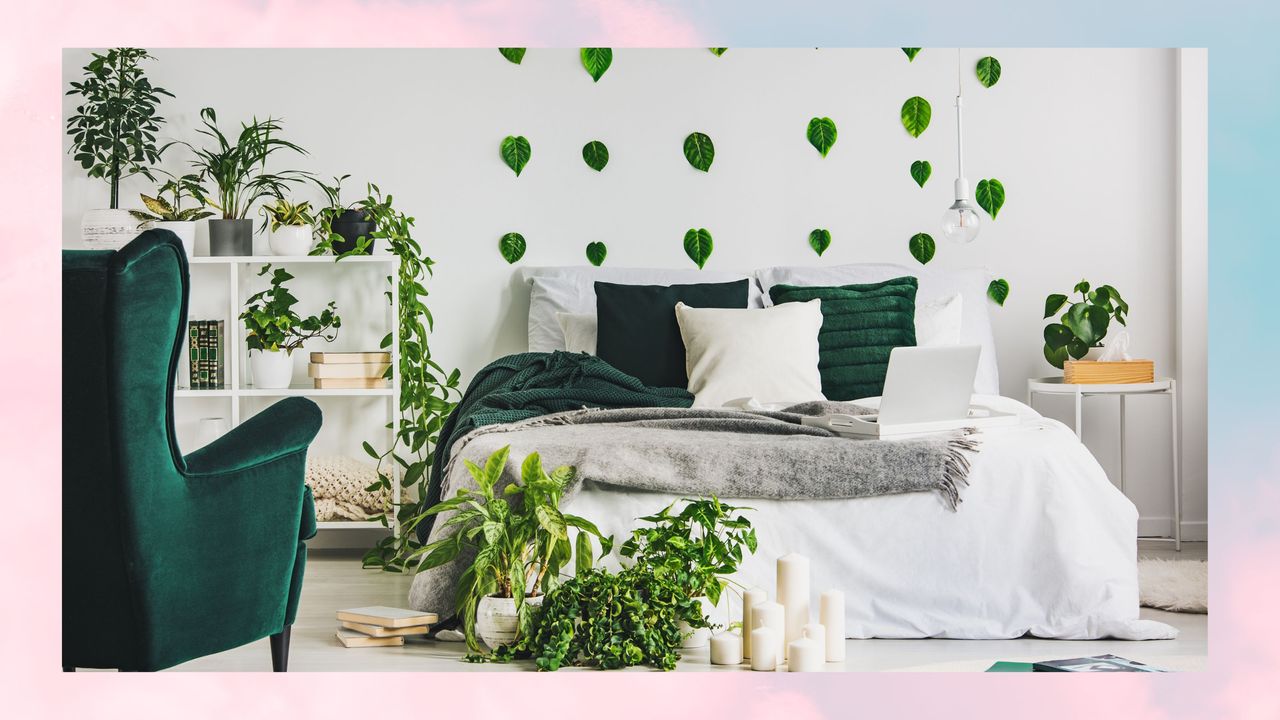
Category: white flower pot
[292,240]
[1094,353]
[107,229]
[186,232]
[496,620]
[271,369]
[691,637]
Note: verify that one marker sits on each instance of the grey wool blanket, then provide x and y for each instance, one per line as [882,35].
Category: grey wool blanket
[702,452]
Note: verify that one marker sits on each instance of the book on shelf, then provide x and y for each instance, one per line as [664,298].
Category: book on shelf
[339,358]
[387,617]
[206,353]
[352,639]
[379,631]
[347,370]
[351,383]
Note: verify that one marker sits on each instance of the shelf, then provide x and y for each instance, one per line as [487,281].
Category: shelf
[286,392]
[350,525]
[291,259]
[188,392]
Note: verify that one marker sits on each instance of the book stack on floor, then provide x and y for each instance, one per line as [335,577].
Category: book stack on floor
[205,350]
[380,626]
[349,370]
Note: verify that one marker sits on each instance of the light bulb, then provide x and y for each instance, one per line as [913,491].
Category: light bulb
[960,224]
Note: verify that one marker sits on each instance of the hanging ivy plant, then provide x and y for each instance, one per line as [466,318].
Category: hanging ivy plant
[595,155]
[698,245]
[516,152]
[911,53]
[990,196]
[699,151]
[922,247]
[718,51]
[916,114]
[596,253]
[820,240]
[920,172]
[988,71]
[511,246]
[596,61]
[998,291]
[822,134]
[514,55]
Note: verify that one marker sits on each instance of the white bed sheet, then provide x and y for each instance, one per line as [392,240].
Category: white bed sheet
[1042,544]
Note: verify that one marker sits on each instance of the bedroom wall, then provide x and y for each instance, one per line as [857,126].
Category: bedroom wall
[1084,141]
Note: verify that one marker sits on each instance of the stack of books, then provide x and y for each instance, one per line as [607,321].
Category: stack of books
[207,357]
[349,370]
[379,626]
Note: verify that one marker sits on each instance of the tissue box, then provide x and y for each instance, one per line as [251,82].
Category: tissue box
[1093,372]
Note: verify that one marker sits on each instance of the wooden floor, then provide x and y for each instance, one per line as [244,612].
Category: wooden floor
[334,580]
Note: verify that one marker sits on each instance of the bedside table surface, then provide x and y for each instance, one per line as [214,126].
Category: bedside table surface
[1054,385]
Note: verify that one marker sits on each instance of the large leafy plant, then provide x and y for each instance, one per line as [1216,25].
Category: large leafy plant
[166,206]
[113,131]
[1084,324]
[271,324]
[237,168]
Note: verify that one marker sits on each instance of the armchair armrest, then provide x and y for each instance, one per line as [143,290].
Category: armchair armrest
[283,429]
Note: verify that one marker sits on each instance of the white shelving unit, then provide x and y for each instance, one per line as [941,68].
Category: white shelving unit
[236,374]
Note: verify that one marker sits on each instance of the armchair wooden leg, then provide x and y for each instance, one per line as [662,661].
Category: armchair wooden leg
[280,650]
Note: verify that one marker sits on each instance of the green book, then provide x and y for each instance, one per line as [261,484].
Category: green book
[1005,666]
[193,354]
[204,354]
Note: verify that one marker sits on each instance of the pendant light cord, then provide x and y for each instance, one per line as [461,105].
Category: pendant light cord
[959,112]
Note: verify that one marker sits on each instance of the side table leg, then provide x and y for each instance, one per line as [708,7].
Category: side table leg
[1079,431]
[1122,444]
[1177,467]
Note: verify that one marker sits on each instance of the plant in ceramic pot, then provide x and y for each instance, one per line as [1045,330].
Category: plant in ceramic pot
[165,211]
[273,330]
[113,134]
[1080,330]
[343,229]
[696,550]
[291,226]
[518,541]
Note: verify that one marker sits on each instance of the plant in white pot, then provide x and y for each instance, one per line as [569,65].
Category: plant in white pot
[165,211]
[1079,332]
[273,330]
[517,541]
[291,226]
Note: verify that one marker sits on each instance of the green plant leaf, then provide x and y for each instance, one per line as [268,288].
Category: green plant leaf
[1057,335]
[916,113]
[718,51]
[1088,323]
[990,196]
[1055,356]
[596,253]
[1053,304]
[596,61]
[516,152]
[698,245]
[512,246]
[514,55]
[920,172]
[988,71]
[1082,287]
[582,555]
[922,247]
[822,134]
[820,240]
[998,291]
[1077,348]
[699,151]
[595,155]
[911,53]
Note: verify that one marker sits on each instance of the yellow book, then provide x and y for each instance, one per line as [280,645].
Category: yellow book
[379,631]
[387,617]
[351,638]
[347,370]
[350,357]
[351,383]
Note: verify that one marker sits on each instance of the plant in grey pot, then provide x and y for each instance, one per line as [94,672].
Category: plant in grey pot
[343,229]
[273,330]
[238,172]
[165,211]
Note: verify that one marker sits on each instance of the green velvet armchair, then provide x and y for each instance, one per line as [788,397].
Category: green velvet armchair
[167,558]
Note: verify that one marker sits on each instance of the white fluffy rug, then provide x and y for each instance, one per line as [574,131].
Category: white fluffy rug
[1174,585]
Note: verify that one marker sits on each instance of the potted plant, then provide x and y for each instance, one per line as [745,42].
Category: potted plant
[520,541]
[1080,330]
[167,213]
[291,226]
[696,550]
[113,134]
[274,330]
[238,171]
[343,229]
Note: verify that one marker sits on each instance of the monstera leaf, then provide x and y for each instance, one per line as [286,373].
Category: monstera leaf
[988,71]
[822,134]
[911,53]
[516,152]
[998,291]
[916,113]
[596,61]
[512,246]
[990,196]
[514,55]
[596,253]
[820,240]
[920,172]
[595,155]
[718,51]
[698,245]
[922,247]
[699,151]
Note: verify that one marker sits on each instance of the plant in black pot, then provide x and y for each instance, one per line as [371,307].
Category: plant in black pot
[342,229]
[238,172]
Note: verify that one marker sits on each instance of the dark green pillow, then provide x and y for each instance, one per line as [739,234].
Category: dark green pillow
[860,325]
[637,330]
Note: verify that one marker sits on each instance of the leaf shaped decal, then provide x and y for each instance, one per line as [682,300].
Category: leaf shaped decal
[990,196]
[820,240]
[911,53]
[596,253]
[998,291]
[988,71]
[699,151]
[698,245]
[717,51]
[595,155]
[516,152]
[514,55]
[916,114]
[512,246]
[922,247]
[920,171]
[822,134]
[596,61]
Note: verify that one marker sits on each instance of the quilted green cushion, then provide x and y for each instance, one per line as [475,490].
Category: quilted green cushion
[860,325]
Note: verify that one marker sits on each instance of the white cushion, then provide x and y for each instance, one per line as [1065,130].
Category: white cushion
[970,283]
[938,322]
[579,332]
[770,354]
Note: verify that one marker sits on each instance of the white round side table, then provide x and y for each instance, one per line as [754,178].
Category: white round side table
[1161,386]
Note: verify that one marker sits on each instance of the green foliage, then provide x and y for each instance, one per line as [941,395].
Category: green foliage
[514,55]
[516,152]
[699,151]
[820,240]
[718,51]
[916,113]
[990,196]
[113,130]
[596,61]
[596,253]
[998,291]
[911,53]
[512,246]
[922,247]
[238,169]
[282,212]
[170,209]
[271,324]
[1084,324]
[988,71]
[332,210]
[595,155]
[822,134]
[920,172]
[698,245]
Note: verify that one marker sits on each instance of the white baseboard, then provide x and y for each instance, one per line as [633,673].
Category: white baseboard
[1192,530]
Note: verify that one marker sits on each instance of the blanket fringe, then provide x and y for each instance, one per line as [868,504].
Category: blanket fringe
[956,467]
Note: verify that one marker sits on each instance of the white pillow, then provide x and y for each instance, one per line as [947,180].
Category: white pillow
[770,354]
[579,332]
[938,322]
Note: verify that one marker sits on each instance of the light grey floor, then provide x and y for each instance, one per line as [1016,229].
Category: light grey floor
[334,580]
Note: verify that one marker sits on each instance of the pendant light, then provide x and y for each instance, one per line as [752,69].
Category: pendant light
[960,222]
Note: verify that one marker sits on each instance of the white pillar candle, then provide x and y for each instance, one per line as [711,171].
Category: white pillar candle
[726,649]
[818,634]
[765,644]
[803,654]
[751,597]
[831,615]
[793,594]
[770,615]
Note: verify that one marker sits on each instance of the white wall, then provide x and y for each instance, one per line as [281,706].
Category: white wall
[1084,141]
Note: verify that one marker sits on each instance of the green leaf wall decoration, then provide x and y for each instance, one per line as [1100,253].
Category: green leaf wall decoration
[922,247]
[596,61]
[516,152]
[920,172]
[718,51]
[699,151]
[512,246]
[595,155]
[596,253]
[822,134]
[911,53]
[698,245]
[990,196]
[998,291]
[988,71]
[916,114]
[820,240]
[514,55]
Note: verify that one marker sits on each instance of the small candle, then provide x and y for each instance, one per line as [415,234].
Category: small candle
[803,655]
[726,649]
[793,593]
[818,634]
[765,656]
[751,597]
[770,615]
[831,615]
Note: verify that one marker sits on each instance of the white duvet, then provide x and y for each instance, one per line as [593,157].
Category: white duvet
[1042,544]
